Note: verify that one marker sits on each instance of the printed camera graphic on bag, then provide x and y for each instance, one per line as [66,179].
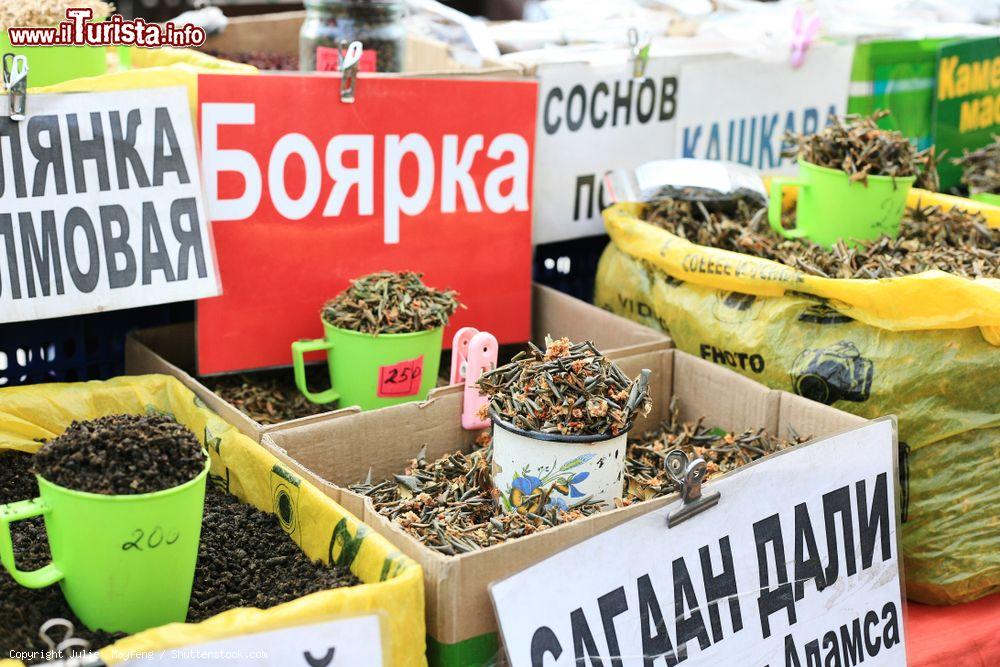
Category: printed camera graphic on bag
[833,373]
[285,496]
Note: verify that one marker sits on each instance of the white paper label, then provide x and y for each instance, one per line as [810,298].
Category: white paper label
[766,577]
[738,109]
[101,205]
[593,119]
[342,643]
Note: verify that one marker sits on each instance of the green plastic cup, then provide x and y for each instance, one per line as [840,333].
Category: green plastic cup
[49,65]
[831,207]
[124,563]
[372,371]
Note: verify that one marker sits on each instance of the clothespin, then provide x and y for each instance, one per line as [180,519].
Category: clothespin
[803,35]
[15,80]
[640,54]
[688,476]
[350,58]
[473,353]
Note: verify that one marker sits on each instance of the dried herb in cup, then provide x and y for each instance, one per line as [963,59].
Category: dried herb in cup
[391,303]
[981,168]
[122,455]
[857,146]
[569,389]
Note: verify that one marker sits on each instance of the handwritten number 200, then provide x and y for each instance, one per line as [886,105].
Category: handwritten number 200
[157,537]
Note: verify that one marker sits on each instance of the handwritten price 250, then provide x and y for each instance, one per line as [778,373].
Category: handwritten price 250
[156,538]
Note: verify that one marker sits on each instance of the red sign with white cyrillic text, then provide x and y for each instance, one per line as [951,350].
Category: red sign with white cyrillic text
[306,192]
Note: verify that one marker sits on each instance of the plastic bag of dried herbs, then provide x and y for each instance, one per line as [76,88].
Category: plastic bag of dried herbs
[241,470]
[921,346]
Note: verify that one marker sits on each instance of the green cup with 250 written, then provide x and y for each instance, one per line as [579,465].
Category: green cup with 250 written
[372,371]
[125,563]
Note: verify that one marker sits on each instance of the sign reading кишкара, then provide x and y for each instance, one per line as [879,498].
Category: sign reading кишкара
[307,192]
[100,205]
[797,565]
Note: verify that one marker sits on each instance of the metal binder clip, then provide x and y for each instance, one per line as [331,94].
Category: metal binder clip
[74,648]
[640,54]
[688,475]
[349,61]
[15,80]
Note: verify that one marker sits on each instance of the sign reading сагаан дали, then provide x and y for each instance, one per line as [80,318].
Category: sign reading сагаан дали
[100,205]
[798,565]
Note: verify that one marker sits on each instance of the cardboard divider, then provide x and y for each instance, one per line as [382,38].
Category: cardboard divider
[460,617]
[170,350]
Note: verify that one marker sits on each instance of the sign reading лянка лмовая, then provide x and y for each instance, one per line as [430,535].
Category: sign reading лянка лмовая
[798,565]
[101,205]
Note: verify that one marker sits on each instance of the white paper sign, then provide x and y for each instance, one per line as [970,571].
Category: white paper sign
[101,205]
[593,119]
[342,643]
[738,109]
[766,577]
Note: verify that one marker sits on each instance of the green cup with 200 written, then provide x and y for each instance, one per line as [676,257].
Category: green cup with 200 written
[125,563]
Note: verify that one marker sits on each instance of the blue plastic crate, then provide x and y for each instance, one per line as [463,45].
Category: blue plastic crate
[570,266]
[76,348]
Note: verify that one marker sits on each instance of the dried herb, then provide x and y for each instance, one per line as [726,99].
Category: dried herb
[269,397]
[981,168]
[122,455]
[450,504]
[263,60]
[388,303]
[47,13]
[952,240]
[857,146]
[569,389]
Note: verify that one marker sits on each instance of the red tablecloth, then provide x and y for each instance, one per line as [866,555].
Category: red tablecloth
[966,635]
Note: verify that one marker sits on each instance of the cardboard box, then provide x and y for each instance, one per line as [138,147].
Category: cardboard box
[279,33]
[337,452]
[171,350]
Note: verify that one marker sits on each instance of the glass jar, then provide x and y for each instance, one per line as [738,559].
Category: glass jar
[377,24]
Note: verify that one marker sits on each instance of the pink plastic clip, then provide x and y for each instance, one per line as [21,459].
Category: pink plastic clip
[472,354]
[460,353]
[803,35]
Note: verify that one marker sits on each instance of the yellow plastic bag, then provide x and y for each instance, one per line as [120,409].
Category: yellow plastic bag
[393,586]
[917,346]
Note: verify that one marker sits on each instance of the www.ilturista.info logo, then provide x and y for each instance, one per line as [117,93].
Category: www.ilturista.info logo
[79,30]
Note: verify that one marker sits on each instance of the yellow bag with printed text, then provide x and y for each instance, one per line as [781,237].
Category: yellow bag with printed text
[393,588]
[922,347]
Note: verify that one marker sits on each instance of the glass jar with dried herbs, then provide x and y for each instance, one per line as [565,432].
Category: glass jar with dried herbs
[330,24]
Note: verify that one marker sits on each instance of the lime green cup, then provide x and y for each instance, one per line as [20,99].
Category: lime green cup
[372,371]
[49,65]
[831,207]
[125,563]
